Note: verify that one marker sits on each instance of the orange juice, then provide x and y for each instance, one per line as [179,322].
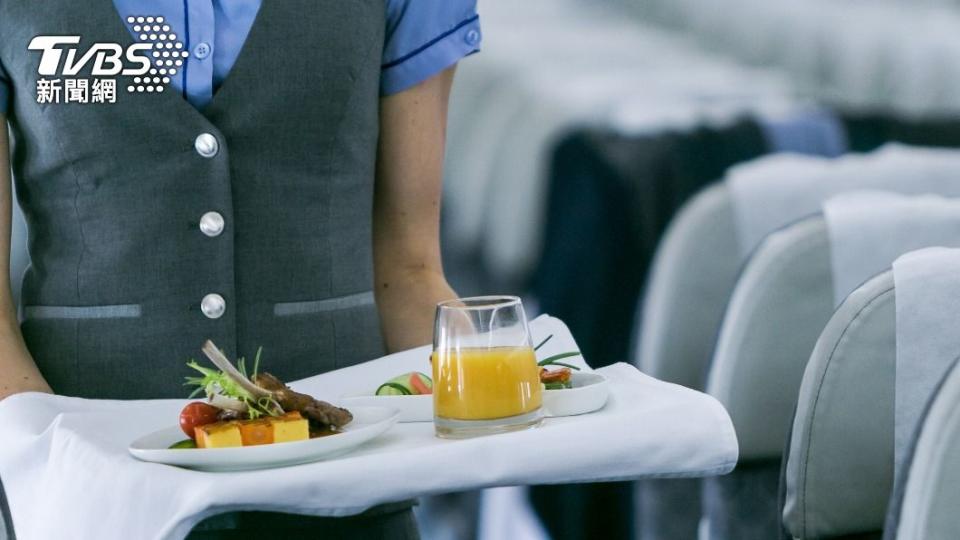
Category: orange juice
[485,383]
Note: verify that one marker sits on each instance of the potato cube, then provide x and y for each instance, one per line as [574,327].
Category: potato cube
[290,429]
[218,435]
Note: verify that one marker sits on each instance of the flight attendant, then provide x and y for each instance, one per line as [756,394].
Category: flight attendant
[273,181]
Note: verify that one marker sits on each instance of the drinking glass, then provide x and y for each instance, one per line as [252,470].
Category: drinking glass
[485,374]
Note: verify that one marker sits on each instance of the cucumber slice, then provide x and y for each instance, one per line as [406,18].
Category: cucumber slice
[183,445]
[390,388]
[408,384]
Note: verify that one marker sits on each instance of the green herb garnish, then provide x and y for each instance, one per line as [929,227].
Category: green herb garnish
[554,360]
[544,342]
[242,367]
[214,382]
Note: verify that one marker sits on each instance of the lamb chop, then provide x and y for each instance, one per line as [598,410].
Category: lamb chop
[318,411]
[265,385]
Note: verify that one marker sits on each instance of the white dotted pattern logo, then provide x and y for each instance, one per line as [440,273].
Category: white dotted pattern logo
[168,54]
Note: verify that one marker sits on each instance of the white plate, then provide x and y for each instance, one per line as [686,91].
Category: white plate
[368,423]
[589,393]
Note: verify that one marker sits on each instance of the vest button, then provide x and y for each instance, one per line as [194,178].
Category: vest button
[213,306]
[211,224]
[206,145]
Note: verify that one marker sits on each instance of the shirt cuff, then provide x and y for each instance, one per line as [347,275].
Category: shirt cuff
[433,57]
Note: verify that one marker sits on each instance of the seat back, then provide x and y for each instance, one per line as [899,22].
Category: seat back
[924,505]
[691,276]
[693,272]
[780,304]
[839,469]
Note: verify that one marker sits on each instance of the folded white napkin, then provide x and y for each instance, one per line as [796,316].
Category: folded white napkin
[775,191]
[927,295]
[869,229]
[67,473]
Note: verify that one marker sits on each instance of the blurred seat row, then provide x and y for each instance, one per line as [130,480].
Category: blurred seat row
[763,216]
[793,327]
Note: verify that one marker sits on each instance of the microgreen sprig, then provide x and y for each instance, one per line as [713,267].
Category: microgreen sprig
[213,382]
[554,360]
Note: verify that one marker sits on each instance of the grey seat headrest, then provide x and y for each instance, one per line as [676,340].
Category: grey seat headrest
[839,470]
[924,505]
[693,273]
[781,302]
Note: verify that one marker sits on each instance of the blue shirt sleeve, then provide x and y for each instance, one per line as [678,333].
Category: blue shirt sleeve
[424,37]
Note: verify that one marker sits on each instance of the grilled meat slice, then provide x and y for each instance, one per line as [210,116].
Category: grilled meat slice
[315,410]
[268,382]
[327,414]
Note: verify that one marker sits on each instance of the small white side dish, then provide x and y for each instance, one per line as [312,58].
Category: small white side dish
[589,393]
[368,423]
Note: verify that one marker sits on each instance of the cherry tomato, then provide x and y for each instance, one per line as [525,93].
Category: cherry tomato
[559,376]
[197,414]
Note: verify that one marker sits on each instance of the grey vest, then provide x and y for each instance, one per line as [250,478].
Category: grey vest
[113,302]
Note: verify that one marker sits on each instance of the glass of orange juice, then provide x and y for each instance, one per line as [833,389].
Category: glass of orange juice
[485,374]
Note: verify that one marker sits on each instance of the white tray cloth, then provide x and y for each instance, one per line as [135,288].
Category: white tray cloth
[774,191]
[927,295]
[869,229]
[67,473]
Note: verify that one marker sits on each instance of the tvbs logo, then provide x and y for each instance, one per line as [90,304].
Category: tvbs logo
[156,56]
[104,59]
